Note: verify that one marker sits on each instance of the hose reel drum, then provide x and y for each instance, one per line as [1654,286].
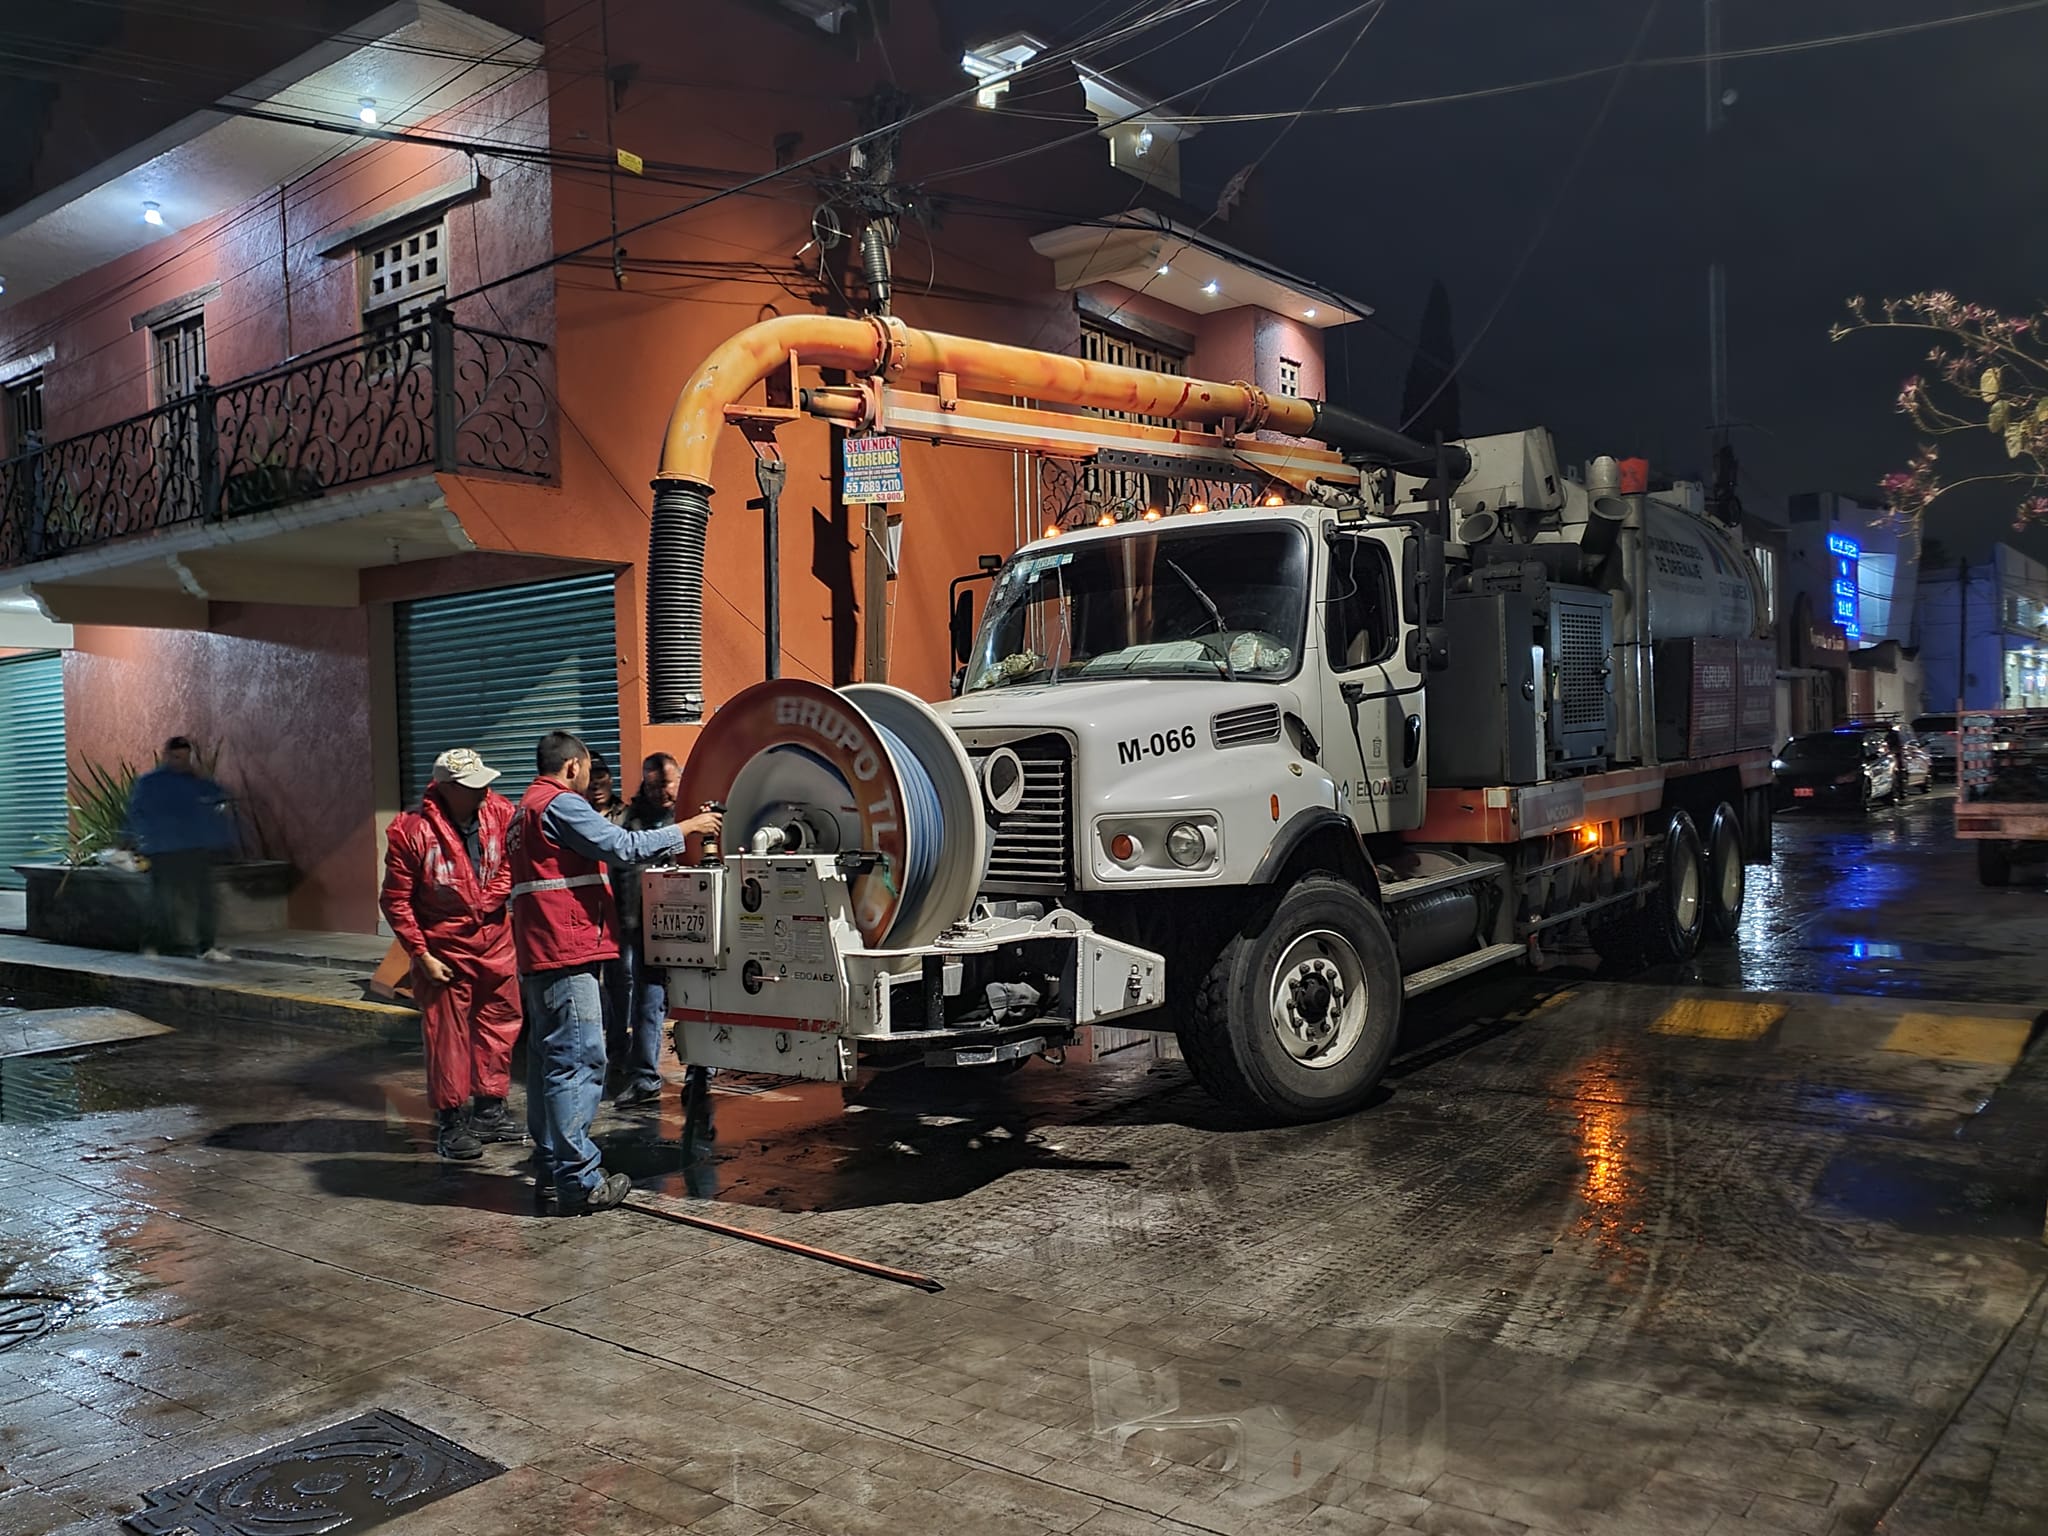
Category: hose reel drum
[806,770]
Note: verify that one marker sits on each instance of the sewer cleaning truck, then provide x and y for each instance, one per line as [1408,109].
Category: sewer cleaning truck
[1253,777]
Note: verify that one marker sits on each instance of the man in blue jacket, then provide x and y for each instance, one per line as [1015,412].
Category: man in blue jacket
[179,820]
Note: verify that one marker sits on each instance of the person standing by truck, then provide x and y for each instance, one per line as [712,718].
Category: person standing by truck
[566,929]
[641,1003]
[446,885]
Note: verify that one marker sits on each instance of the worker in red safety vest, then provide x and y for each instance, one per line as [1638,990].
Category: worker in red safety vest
[446,884]
[566,928]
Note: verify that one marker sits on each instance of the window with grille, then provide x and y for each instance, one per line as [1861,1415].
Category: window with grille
[403,276]
[1290,378]
[1124,489]
[25,414]
[180,357]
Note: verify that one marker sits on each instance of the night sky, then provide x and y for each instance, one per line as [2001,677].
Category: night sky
[1874,168]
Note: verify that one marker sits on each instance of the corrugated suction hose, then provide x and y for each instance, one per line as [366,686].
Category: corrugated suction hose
[675,602]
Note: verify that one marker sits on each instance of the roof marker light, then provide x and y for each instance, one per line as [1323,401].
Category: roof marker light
[153,214]
[1308,314]
[366,111]
[1107,520]
[1211,288]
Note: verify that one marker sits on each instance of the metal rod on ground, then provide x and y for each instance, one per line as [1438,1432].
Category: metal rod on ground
[802,1250]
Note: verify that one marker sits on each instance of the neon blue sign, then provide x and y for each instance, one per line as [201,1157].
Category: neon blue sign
[1846,552]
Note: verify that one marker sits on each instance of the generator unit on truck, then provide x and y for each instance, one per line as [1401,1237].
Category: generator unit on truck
[1252,777]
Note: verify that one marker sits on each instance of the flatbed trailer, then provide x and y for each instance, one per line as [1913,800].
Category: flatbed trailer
[2002,789]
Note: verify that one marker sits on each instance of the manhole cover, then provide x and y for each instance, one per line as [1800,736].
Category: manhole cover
[346,1477]
[26,1315]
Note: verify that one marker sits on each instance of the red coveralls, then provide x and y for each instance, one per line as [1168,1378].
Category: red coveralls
[435,901]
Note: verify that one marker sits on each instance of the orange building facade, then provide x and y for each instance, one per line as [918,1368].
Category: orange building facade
[291,394]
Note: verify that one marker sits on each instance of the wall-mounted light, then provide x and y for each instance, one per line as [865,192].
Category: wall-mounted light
[366,111]
[153,214]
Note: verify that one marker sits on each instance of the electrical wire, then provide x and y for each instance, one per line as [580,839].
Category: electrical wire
[1063,56]
[1572,77]
[1535,240]
[1151,111]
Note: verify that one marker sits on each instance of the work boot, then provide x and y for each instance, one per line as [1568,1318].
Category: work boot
[455,1140]
[697,1105]
[646,1096]
[611,1192]
[492,1122]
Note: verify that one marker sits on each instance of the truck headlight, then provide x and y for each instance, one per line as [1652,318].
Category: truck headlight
[1188,845]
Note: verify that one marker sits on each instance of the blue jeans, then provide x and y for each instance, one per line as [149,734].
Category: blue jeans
[641,1009]
[564,1074]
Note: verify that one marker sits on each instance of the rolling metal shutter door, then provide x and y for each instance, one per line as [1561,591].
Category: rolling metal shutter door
[34,785]
[498,670]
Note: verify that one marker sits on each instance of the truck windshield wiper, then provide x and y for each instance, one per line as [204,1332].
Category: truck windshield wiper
[1223,651]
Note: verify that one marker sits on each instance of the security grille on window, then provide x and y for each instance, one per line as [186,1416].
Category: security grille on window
[1124,489]
[403,276]
[1290,378]
[25,414]
[180,366]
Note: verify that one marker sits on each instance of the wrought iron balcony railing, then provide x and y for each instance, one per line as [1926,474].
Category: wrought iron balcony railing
[435,395]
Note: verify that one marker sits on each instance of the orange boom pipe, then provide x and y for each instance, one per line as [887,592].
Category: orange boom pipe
[884,349]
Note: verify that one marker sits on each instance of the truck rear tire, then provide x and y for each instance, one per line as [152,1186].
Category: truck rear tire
[1993,867]
[1726,883]
[1296,1019]
[1665,929]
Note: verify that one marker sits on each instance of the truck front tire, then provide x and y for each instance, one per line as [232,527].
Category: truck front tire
[1296,1019]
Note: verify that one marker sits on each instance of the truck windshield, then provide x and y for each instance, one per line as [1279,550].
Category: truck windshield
[1224,602]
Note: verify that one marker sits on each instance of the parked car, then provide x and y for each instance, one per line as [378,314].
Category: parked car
[1938,734]
[1848,769]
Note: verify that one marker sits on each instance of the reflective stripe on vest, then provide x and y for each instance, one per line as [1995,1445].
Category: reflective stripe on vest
[564,883]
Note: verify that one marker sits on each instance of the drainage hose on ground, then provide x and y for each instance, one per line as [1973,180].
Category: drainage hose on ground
[675,602]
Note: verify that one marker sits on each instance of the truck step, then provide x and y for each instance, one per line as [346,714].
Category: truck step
[1393,891]
[1463,965]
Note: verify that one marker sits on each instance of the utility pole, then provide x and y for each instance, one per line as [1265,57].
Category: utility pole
[872,172]
[1719,455]
[1962,637]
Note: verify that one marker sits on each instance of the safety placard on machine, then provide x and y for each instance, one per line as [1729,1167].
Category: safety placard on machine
[680,916]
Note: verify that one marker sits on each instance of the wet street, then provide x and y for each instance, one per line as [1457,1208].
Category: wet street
[1752,1247]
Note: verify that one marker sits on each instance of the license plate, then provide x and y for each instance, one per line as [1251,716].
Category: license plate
[684,924]
[1802,792]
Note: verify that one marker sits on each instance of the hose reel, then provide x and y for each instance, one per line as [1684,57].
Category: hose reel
[805,770]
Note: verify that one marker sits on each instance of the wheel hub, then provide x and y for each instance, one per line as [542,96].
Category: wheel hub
[1319,999]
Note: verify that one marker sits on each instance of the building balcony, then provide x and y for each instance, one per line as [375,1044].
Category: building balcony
[437,397]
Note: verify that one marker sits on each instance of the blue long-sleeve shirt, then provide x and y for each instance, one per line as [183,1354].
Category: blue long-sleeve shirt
[575,824]
[173,812]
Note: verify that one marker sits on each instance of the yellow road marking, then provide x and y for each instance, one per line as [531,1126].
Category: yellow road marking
[1718,1020]
[1948,1037]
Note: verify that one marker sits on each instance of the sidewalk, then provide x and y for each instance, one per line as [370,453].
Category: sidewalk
[292,979]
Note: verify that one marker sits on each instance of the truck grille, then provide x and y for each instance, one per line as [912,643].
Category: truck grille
[1244,727]
[1033,845]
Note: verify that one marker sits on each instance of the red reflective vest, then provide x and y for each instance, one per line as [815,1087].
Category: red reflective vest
[562,912]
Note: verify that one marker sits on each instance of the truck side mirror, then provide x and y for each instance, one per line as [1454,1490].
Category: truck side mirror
[1429,648]
[963,624]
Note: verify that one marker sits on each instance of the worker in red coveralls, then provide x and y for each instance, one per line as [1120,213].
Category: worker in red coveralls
[446,885]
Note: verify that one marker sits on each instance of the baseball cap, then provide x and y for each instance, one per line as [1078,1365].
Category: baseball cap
[461,766]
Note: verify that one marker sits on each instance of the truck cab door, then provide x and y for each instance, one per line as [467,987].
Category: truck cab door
[1373,726]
